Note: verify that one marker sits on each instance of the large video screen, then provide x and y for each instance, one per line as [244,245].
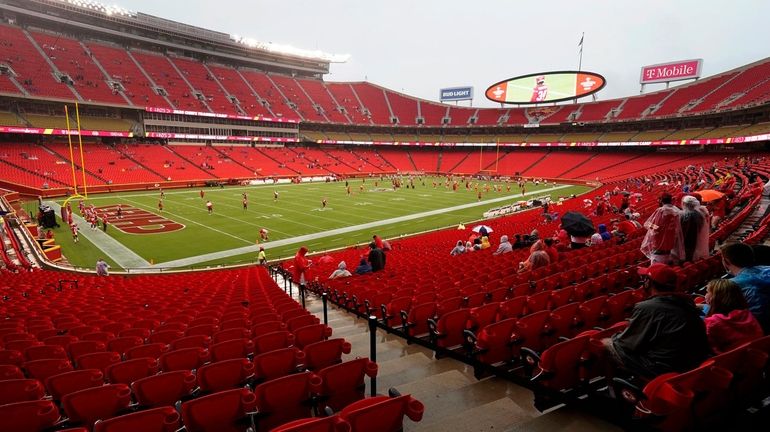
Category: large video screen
[545,87]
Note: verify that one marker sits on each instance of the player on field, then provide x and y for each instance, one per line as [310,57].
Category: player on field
[202,193]
[323,203]
[74,229]
[263,234]
[275,195]
[540,92]
[162,194]
[120,211]
[160,205]
[209,207]
[245,203]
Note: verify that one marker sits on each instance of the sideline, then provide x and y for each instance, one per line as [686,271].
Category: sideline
[184,262]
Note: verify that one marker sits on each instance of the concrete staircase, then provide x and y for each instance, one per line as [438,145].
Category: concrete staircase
[454,400]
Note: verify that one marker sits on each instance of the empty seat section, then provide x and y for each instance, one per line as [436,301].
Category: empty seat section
[320,95]
[164,75]
[121,68]
[71,59]
[204,82]
[32,71]
[295,94]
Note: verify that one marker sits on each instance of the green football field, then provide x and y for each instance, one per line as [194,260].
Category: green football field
[229,234]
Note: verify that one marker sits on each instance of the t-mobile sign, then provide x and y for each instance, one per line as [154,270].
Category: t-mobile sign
[675,71]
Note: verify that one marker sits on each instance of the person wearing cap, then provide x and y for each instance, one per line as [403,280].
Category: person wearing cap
[665,332]
[754,280]
[663,242]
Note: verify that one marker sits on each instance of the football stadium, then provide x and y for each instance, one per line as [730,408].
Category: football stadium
[205,232]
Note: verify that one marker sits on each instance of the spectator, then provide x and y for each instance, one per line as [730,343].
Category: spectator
[596,239]
[377,241]
[578,242]
[469,246]
[695,231]
[550,249]
[301,267]
[376,257]
[663,242]
[665,332]
[341,272]
[627,226]
[729,323]
[538,257]
[606,235]
[459,249]
[754,280]
[102,267]
[505,246]
[262,256]
[363,267]
[485,242]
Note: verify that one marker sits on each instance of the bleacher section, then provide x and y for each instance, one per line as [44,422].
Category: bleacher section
[70,58]
[84,357]
[165,76]
[316,101]
[32,71]
[233,82]
[122,69]
[202,81]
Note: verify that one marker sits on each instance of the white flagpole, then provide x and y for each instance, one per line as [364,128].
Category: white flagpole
[580,61]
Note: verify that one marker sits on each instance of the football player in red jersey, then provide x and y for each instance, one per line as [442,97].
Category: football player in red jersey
[540,92]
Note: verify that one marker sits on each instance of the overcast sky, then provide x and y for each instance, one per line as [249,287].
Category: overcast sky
[420,46]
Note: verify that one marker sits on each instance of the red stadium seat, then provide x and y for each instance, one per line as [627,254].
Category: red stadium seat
[494,342]
[197,341]
[272,341]
[152,350]
[11,357]
[42,369]
[163,389]
[266,327]
[277,363]
[219,412]
[32,416]
[79,348]
[10,372]
[39,352]
[97,403]
[230,349]
[224,375]
[70,382]
[285,399]
[99,360]
[20,390]
[313,333]
[343,384]
[322,424]
[448,331]
[164,419]
[183,359]
[129,371]
[382,413]
[319,355]
[123,344]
